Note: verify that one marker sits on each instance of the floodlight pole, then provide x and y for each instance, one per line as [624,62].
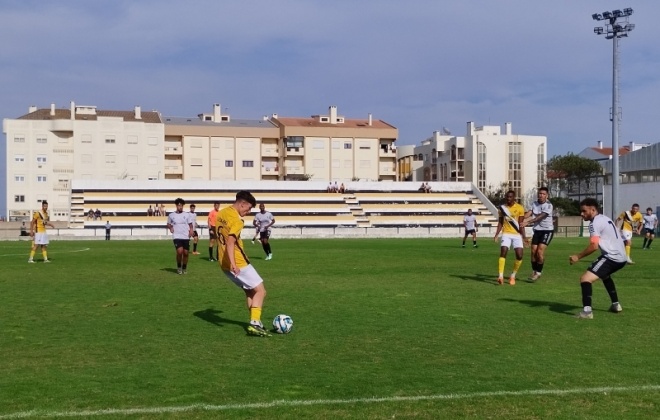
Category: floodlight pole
[614,31]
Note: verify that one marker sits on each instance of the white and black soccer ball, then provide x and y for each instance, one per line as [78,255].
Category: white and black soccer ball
[283,324]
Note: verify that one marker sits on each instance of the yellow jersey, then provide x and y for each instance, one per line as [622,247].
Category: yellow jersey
[510,217]
[229,223]
[41,218]
[628,220]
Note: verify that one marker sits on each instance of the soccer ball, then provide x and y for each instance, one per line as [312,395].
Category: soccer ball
[283,324]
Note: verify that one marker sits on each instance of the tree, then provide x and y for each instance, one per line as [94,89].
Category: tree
[572,177]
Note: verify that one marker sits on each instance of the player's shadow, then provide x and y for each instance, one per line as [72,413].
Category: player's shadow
[212,316]
[484,278]
[169,270]
[560,308]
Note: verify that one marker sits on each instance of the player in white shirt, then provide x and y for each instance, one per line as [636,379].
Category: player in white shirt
[263,221]
[180,224]
[605,236]
[471,227]
[195,235]
[544,230]
[650,225]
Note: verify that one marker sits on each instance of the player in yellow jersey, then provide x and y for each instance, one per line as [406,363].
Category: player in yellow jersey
[628,219]
[38,233]
[511,216]
[234,262]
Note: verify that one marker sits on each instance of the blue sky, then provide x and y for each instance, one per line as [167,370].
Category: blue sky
[420,65]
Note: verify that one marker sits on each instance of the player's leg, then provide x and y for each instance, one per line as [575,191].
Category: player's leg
[44,252]
[651,237]
[33,249]
[179,256]
[505,242]
[184,255]
[518,248]
[464,238]
[474,238]
[586,281]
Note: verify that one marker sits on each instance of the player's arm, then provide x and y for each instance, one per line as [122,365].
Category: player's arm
[230,243]
[170,227]
[33,226]
[521,219]
[593,246]
[272,222]
[500,223]
[190,231]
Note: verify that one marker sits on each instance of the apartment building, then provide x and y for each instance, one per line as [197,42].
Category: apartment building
[485,156]
[47,148]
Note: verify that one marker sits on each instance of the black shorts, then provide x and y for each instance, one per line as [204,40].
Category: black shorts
[195,234]
[649,231]
[212,234]
[542,237]
[265,234]
[604,267]
[182,243]
[470,232]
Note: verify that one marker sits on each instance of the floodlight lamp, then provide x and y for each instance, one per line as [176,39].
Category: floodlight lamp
[617,28]
[598,30]
[597,16]
[627,11]
[630,27]
[617,13]
[607,15]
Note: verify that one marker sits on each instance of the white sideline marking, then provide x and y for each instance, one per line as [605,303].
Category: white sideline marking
[49,252]
[298,403]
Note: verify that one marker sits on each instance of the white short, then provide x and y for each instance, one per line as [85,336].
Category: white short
[511,240]
[41,238]
[626,235]
[247,278]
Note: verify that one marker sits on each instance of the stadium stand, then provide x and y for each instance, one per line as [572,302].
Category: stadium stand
[294,203]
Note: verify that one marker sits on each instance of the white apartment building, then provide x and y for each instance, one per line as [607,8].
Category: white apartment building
[485,156]
[47,148]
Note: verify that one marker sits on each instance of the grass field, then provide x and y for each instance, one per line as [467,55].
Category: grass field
[396,328]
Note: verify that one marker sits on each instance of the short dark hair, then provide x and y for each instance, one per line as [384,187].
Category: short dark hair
[635,205]
[544,189]
[649,209]
[44,202]
[193,205]
[589,202]
[511,192]
[246,196]
[179,201]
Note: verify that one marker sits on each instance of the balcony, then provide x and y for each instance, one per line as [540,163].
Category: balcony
[269,151]
[173,150]
[61,186]
[294,171]
[270,170]
[387,171]
[61,125]
[295,151]
[388,152]
[173,169]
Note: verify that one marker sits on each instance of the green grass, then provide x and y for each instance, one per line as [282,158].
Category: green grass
[416,322]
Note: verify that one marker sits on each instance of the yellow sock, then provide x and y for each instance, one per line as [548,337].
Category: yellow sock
[516,266]
[628,251]
[500,265]
[45,254]
[31,254]
[255,314]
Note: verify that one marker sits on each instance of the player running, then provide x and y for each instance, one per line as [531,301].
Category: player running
[263,221]
[630,219]
[650,225]
[543,227]
[471,226]
[511,215]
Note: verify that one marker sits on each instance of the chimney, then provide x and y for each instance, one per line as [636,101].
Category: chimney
[52,110]
[73,110]
[370,119]
[470,128]
[507,128]
[138,112]
[217,113]
[631,147]
[333,115]
[32,109]
[274,116]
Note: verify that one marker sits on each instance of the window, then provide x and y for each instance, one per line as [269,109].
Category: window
[19,139]
[132,139]
[229,163]
[41,158]
[19,158]
[248,163]
[196,143]
[348,146]
[42,140]
[86,138]
[364,145]
[318,163]
[110,159]
[86,159]
[348,163]
[293,141]
[540,166]
[152,160]
[132,159]
[481,166]
[19,199]
[515,167]
[365,164]
[318,144]
[197,162]
[247,145]
[152,141]
[215,163]
[110,140]
[336,163]
[229,144]
[19,178]
[41,178]
[336,144]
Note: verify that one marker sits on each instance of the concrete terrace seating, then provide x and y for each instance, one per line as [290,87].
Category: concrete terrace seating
[293,203]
